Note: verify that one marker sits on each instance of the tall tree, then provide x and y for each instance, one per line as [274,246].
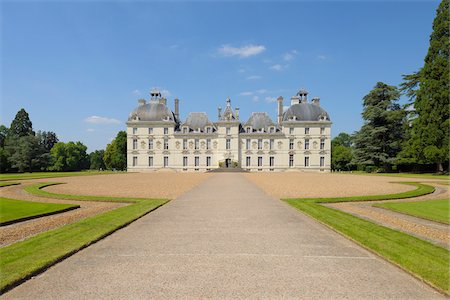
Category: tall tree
[69,157]
[96,159]
[47,139]
[23,150]
[21,125]
[116,153]
[429,137]
[379,139]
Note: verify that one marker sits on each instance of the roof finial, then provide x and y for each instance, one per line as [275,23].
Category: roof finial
[228,101]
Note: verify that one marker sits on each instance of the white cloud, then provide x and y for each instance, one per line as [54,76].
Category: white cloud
[253,77]
[137,92]
[288,56]
[101,120]
[244,51]
[246,93]
[278,67]
[255,99]
[322,57]
[270,99]
[90,130]
[261,91]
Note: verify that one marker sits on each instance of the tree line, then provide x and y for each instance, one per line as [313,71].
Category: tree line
[24,150]
[414,137]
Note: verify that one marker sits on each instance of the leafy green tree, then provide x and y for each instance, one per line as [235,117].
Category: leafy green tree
[96,159]
[4,164]
[379,140]
[21,125]
[341,152]
[69,157]
[116,152]
[47,139]
[429,136]
[23,150]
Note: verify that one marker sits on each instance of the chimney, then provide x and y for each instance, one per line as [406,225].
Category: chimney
[303,96]
[237,113]
[295,100]
[316,101]
[219,111]
[280,110]
[141,102]
[177,108]
[162,101]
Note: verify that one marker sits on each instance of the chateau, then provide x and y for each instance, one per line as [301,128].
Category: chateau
[299,140]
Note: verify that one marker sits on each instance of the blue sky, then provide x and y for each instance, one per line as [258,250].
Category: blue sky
[79,68]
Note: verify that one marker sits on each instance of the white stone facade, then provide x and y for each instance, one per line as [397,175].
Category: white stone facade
[300,140]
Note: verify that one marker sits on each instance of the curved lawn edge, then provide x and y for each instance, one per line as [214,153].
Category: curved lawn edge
[417,257]
[421,190]
[4,184]
[18,220]
[25,259]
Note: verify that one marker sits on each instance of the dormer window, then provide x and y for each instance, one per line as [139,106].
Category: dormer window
[306,130]
[291,130]
[134,130]
[166,130]
[248,129]
[228,130]
[272,129]
[208,129]
[185,129]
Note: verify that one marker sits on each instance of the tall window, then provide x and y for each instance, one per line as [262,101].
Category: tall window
[291,130]
[185,129]
[135,144]
[306,130]
[306,161]
[228,144]
[150,130]
[185,162]
[150,143]
[271,144]
[228,130]
[208,129]
[247,144]
[322,130]
[185,144]
[134,130]
[259,144]
[134,161]
[208,161]
[291,144]
[271,162]
[306,144]
[166,130]
[247,161]
[196,144]
[166,144]
[322,144]
[322,161]
[272,129]
[208,144]
[150,161]
[248,129]
[196,162]
[166,161]
[260,162]
[291,160]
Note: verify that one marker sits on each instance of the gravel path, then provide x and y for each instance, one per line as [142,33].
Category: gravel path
[224,239]
[434,232]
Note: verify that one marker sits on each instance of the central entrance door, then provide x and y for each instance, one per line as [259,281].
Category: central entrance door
[228,163]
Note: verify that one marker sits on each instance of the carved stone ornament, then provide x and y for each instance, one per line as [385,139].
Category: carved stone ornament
[266,145]
[143,145]
[299,145]
[202,145]
[315,144]
[254,145]
[280,144]
[177,144]
[158,145]
[215,145]
[191,145]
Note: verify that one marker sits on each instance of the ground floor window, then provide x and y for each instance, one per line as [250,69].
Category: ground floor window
[150,161]
[291,160]
[322,161]
[260,162]
[135,161]
[271,162]
[306,161]
[196,162]
[247,161]
[208,162]
[166,161]
[185,162]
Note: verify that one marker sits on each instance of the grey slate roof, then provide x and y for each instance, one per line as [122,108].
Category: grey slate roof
[260,120]
[152,111]
[306,112]
[196,120]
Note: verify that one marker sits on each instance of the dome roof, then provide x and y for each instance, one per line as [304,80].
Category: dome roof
[152,111]
[197,120]
[305,112]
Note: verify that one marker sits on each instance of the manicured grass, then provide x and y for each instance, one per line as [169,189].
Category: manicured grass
[419,257]
[24,259]
[405,175]
[3,184]
[38,175]
[434,210]
[13,211]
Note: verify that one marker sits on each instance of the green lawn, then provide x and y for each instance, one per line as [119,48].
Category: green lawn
[24,259]
[2,184]
[405,175]
[419,257]
[38,175]
[434,210]
[12,210]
